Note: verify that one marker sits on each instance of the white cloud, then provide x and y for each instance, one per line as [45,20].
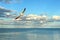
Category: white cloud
[1,7]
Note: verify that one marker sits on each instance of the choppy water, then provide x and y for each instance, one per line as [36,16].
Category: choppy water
[29,34]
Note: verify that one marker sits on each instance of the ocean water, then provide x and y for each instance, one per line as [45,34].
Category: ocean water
[29,33]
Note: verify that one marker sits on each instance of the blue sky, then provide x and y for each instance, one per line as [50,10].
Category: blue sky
[51,7]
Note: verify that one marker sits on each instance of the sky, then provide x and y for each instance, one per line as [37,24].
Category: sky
[49,7]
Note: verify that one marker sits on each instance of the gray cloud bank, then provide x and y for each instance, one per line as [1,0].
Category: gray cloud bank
[4,10]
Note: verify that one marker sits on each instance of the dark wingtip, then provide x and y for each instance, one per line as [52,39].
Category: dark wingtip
[24,8]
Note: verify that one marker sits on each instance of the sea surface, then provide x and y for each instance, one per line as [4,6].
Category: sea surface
[29,33]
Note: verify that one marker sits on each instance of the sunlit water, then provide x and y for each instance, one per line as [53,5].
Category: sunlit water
[30,34]
[29,31]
